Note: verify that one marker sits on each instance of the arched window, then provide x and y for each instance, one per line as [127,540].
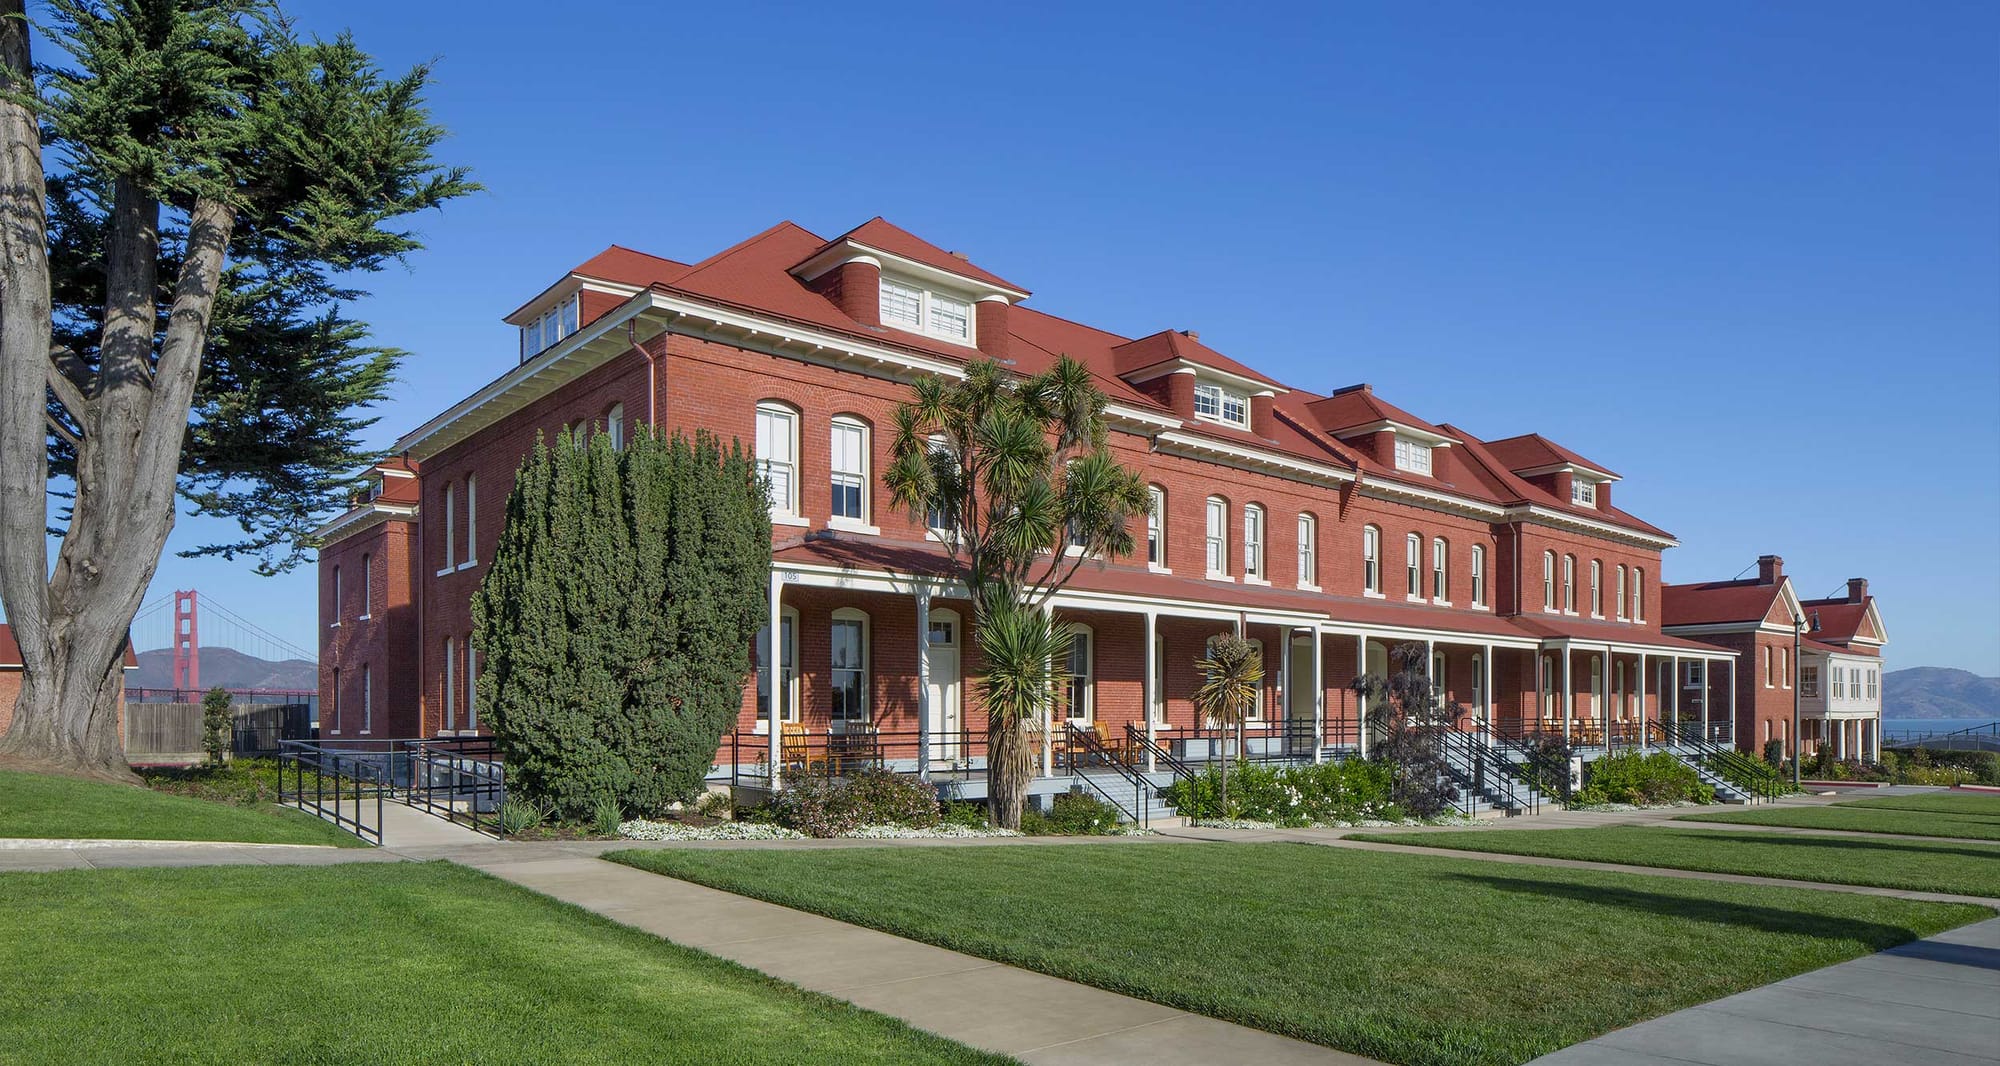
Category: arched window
[334,581]
[788,691]
[367,700]
[1156,526]
[847,646]
[1440,570]
[1768,678]
[848,453]
[1785,670]
[1082,658]
[614,426]
[778,456]
[1253,543]
[1479,575]
[1638,595]
[1371,560]
[1413,580]
[1217,536]
[1618,602]
[1596,588]
[1569,584]
[1308,551]
[1548,581]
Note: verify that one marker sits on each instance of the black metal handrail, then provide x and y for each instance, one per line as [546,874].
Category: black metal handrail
[356,781]
[1543,769]
[1138,741]
[1482,765]
[1756,780]
[1084,743]
[459,779]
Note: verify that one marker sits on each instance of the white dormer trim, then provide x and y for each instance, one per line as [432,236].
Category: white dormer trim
[1402,429]
[848,251]
[1248,386]
[1578,469]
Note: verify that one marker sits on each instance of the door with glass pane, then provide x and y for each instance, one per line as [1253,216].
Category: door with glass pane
[946,724]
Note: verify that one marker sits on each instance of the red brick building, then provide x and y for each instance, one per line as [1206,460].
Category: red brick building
[1329,526]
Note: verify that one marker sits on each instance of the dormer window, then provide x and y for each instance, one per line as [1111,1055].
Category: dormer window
[1413,456]
[1583,492]
[1217,404]
[923,311]
[558,322]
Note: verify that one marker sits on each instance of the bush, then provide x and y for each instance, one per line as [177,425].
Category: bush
[967,815]
[518,816]
[1630,777]
[1073,814]
[215,723]
[829,807]
[1774,751]
[606,816]
[1344,791]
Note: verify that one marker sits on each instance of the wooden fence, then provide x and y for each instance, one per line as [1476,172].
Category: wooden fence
[171,732]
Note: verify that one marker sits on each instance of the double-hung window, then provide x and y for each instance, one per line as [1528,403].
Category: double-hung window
[1253,543]
[1308,551]
[1569,584]
[1371,561]
[1081,660]
[849,455]
[1618,600]
[1413,570]
[1839,682]
[1440,570]
[924,311]
[1548,581]
[1156,526]
[1479,575]
[1218,404]
[848,665]
[778,456]
[1596,589]
[1216,539]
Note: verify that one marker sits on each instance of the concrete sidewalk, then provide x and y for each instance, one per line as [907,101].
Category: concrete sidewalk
[1935,1001]
[1033,1017]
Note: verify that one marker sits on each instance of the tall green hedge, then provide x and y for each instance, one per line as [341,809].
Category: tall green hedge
[616,620]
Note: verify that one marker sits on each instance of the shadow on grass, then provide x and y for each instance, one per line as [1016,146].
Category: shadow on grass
[1913,848]
[1956,954]
[1876,935]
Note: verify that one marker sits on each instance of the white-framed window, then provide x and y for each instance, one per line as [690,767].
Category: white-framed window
[1479,575]
[1413,567]
[367,585]
[1548,581]
[1371,560]
[1874,683]
[1217,536]
[1854,682]
[1638,595]
[1308,551]
[1081,686]
[1839,683]
[551,326]
[1440,673]
[1253,543]
[1618,600]
[1440,570]
[1159,709]
[849,455]
[1551,695]
[471,522]
[925,311]
[788,691]
[614,426]
[1770,680]
[1694,669]
[1618,688]
[1785,669]
[847,645]
[367,699]
[935,519]
[450,685]
[1569,584]
[1478,682]
[1413,456]
[1583,492]
[450,526]
[1255,712]
[778,455]
[334,580]
[1156,526]
[1218,404]
[1596,589]
[1809,682]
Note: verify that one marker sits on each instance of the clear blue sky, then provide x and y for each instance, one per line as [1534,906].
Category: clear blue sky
[1746,255]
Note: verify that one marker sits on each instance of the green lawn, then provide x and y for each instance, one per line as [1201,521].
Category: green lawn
[1924,865]
[385,963]
[1942,814]
[1405,958]
[37,805]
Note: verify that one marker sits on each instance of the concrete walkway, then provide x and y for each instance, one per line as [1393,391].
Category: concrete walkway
[996,1007]
[1935,1001]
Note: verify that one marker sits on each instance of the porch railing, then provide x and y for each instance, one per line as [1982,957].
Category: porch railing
[1751,776]
[957,754]
[459,779]
[338,784]
[1085,752]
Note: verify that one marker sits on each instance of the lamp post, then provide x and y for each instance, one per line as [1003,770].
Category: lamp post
[1798,626]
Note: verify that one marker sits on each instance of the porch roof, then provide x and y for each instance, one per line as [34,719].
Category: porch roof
[1594,631]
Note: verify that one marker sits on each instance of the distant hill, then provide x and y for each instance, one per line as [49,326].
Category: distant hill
[228,668]
[1939,692]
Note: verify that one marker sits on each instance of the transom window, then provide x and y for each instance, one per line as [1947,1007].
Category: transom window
[544,332]
[923,311]
[1413,455]
[778,455]
[850,469]
[1217,537]
[1218,404]
[1583,492]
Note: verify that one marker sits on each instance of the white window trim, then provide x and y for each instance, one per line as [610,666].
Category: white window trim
[1224,398]
[450,528]
[334,579]
[1089,646]
[367,701]
[1407,451]
[862,524]
[1549,602]
[1569,585]
[1372,590]
[1215,535]
[787,512]
[471,523]
[1583,492]
[1306,553]
[1597,588]
[1413,567]
[866,670]
[792,692]
[926,313]
[614,426]
[1440,572]
[367,587]
[1156,528]
[1256,565]
[1479,577]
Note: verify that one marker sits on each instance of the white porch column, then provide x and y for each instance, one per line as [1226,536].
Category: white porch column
[1604,698]
[1360,701]
[1430,662]
[923,683]
[776,700]
[1150,687]
[1568,692]
[1486,689]
[1674,692]
[1284,684]
[1707,727]
[1048,712]
[1645,733]
[1319,700]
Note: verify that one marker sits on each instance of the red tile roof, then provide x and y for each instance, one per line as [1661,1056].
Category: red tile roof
[879,232]
[1359,406]
[1171,344]
[1716,602]
[628,267]
[1532,450]
[1838,619]
[1594,631]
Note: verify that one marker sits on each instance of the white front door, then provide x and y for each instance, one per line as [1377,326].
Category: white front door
[945,720]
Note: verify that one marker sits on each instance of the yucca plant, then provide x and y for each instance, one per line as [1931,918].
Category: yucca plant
[1231,672]
[1027,654]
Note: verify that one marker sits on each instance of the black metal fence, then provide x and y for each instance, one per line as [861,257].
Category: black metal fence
[340,785]
[459,779]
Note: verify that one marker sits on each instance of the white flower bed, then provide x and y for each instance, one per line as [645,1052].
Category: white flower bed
[640,829]
[1613,808]
[936,832]
[1365,823]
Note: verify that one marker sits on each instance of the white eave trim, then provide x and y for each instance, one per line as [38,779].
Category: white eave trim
[1396,490]
[1545,516]
[356,519]
[1403,429]
[902,266]
[1590,472]
[1248,386]
[1336,627]
[1195,446]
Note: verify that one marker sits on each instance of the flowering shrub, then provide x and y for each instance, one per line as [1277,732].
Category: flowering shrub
[1646,780]
[1290,795]
[828,807]
[1073,814]
[640,829]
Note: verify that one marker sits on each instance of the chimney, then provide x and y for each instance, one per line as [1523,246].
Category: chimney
[1191,335]
[960,256]
[1263,415]
[1769,569]
[1857,589]
[991,320]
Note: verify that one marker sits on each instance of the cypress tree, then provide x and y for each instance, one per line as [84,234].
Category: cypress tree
[614,618]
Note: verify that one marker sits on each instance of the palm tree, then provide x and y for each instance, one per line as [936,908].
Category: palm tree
[1230,675]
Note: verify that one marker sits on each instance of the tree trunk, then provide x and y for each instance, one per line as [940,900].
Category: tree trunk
[1010,767]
